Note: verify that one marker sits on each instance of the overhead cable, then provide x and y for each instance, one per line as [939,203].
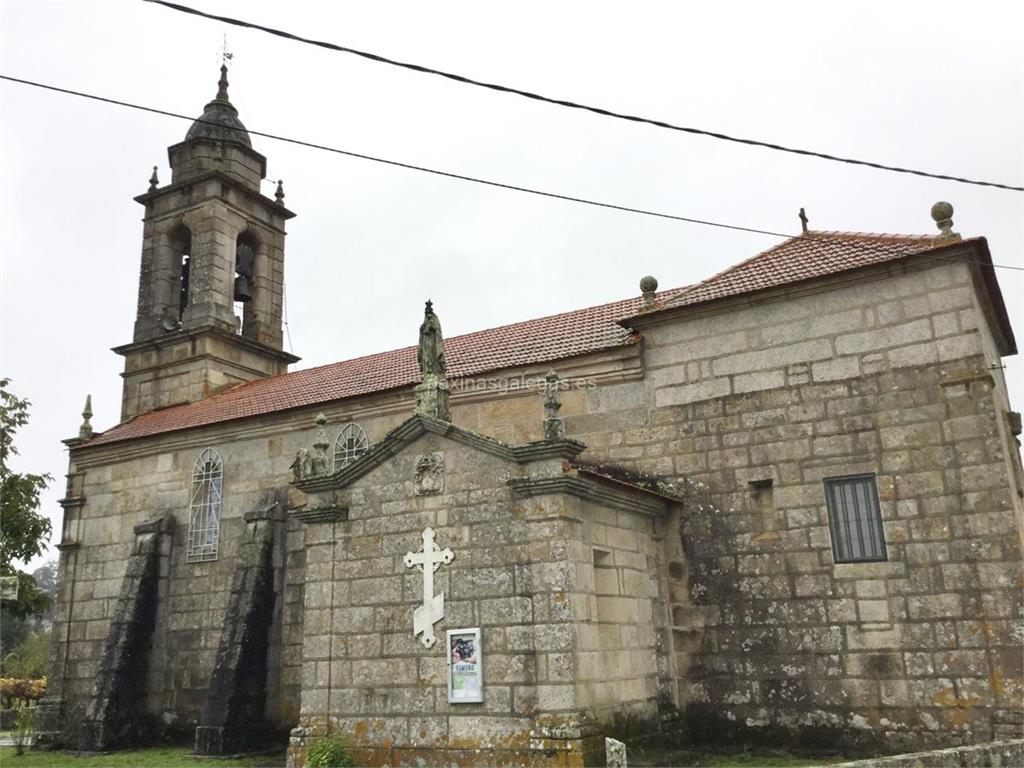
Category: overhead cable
[585,107]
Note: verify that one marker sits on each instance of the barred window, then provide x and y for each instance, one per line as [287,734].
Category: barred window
[350,445]
[854,519]
[204,510]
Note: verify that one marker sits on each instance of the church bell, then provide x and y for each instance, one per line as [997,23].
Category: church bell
[242,290]
[243,272]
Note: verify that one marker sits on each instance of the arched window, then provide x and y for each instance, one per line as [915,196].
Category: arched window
[181,241]
[350,445]
[246,247]
[204,510]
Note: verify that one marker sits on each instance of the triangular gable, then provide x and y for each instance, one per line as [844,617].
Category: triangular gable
[410,430]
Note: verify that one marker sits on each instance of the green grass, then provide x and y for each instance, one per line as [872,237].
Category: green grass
[158,757]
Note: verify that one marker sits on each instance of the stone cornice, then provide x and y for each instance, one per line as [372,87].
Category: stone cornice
[199,178]
[412,429]
[631,499]
[328,514]
[612,367]
[187,334]
[865,274]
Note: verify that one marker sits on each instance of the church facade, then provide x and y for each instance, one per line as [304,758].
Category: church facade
[784,501]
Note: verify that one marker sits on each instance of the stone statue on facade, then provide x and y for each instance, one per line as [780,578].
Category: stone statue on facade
[315,463]
[432,391]
[431,352]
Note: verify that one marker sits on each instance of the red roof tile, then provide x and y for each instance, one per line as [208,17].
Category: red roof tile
[535,341]
[814,254]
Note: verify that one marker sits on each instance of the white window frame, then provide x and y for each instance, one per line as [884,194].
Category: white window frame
[344,452]
[205,507]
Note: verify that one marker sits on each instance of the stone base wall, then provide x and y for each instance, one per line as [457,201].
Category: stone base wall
[998,754]
[543,749]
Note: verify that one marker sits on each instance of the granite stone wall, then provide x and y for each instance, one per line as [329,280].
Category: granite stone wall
[562,640]
[760,404]
[891,376]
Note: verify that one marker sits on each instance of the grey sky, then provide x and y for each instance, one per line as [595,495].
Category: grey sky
[933,85]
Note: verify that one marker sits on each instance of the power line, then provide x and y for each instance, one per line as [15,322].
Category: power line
[409,166]
[450,175]
[576,105]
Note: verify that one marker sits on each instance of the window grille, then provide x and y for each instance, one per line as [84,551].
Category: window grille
[854,519]
[204,510]
[350,445]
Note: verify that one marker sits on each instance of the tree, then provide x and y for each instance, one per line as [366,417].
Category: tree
[23,530]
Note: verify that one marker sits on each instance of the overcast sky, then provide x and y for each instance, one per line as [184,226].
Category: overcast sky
[933,85]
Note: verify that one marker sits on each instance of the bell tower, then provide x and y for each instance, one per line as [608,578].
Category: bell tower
[211,283]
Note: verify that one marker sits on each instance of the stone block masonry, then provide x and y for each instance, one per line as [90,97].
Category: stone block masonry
[116,715]
[564,590]
[234,717]
[923,648]
[998,754]
[745,621]
[890,378]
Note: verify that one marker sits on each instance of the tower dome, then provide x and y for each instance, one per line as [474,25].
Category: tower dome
[219,121]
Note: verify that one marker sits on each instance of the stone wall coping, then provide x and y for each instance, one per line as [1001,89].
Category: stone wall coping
[418,425]
[157,525]
[325,514]
[1010,752]
[627,498]
[992,302]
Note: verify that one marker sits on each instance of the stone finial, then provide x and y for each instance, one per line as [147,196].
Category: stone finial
[153,181]
[942,213]
[222,84]
[648,287]
[85,431]
[554,426]
[803,221]
[432,391]
[279,193]
[321,465]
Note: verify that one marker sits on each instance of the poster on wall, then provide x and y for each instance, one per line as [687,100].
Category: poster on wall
[465,666]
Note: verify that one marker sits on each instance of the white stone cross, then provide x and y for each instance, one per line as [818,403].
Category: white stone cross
[432,610]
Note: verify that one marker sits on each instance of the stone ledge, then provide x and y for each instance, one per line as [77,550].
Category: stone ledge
[320,515]
[996,754]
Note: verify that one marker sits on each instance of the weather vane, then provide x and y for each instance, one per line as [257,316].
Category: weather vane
[225,55]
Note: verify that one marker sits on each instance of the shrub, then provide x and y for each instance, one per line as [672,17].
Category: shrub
[30,658]
[25,729]
[329,751]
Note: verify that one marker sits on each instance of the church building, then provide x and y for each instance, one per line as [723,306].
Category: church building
[785,502]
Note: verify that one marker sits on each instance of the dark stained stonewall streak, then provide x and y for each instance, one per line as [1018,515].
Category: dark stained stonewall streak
[116,713]
[233,720]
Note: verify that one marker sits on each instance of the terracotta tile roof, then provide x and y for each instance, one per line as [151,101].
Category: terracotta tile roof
[814,254]
[534,341]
